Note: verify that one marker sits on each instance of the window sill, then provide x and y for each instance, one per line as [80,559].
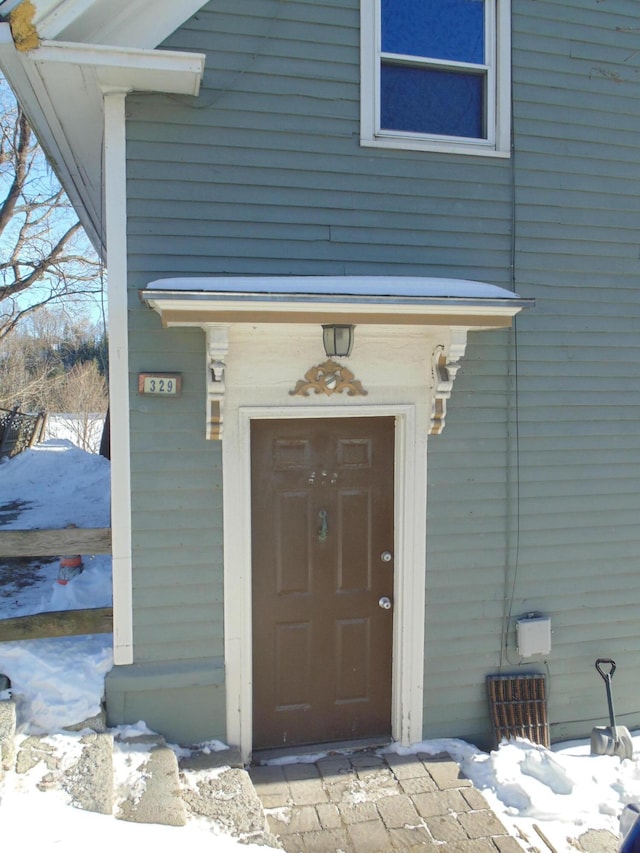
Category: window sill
[478,149]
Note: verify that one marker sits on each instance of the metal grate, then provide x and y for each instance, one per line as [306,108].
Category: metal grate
[518,707]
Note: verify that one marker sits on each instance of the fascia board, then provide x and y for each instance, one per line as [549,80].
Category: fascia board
[146,23]
[191,310]
[130,23]
[174,72]
[30,90]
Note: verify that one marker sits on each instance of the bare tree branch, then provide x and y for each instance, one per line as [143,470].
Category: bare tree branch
[45,257]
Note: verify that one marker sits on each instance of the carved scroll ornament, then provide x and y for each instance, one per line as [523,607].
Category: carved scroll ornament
[328,378]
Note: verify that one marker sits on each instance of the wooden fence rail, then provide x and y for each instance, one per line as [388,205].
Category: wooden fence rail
[58,623]
[54,543]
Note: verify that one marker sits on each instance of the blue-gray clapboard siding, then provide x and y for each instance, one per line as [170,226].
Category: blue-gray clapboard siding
[533,496]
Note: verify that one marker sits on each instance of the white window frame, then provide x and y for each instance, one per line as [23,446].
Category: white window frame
[498,55]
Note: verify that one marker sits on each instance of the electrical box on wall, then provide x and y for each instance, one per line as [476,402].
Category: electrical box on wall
[533,635]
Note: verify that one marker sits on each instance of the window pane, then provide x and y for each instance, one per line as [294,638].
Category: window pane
[439,29]
[423,100]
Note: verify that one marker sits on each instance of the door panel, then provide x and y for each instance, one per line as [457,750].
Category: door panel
[322,514]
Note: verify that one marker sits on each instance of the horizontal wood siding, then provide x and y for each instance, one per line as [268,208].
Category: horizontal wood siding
[533,487]
[578,190]
[176,503]
[570,543]
[263,171]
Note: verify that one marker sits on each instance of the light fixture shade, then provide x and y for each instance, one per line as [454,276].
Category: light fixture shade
[337,340]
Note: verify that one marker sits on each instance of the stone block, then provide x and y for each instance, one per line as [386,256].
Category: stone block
[329,816]
[229,799]
[369,837]
[474,799]
[414,838]
[292,843]
[340,792]
[98,723]
[7,734]
[269,780]
[406,766]
[477,845]
[294,820]
[299,772]
[275,801]
[446,774]
[599,841]
[420,785]
[361,760]
[334,768]
[357,812]
[34,750]
[323,842]
[308,792]
[398,811]
[439,803]
[446,828]
[509,844]
[89,781]
[481,824]
[160,800]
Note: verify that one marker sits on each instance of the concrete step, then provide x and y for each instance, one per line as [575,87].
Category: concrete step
[216,786]
[155,795]
[137,777]
[7,735]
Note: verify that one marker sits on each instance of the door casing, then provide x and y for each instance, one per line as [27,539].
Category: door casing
[410,490]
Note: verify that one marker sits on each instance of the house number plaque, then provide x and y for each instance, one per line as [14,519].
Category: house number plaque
[160,384]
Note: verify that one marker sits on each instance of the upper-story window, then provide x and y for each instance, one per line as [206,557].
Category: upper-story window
[436,75]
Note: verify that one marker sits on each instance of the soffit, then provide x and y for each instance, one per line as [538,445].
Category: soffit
[125,23]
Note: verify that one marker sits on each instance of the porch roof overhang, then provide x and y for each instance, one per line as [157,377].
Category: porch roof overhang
[389,300]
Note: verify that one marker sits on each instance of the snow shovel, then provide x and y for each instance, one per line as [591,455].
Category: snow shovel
[612,739]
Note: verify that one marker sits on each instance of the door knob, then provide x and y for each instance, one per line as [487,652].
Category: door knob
[385,603]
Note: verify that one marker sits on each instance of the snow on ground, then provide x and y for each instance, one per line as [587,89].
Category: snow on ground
[564,791]
[84,430]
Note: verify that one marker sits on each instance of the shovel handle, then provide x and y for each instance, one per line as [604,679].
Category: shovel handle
[606,675]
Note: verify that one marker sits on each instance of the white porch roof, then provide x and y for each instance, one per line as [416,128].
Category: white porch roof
[403,300]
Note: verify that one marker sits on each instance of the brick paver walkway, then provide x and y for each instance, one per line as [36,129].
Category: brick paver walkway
[364,802]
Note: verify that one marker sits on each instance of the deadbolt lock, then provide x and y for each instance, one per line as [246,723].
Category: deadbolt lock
[386,556]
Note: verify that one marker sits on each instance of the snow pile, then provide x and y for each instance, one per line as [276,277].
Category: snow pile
[57,682]
[56,484]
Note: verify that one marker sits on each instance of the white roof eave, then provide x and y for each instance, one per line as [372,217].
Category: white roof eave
[70,129]
[131,23]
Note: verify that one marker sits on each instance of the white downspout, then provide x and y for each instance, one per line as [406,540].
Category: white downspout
[115,189]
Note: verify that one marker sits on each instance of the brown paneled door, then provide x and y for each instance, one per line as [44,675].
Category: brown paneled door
[322,554]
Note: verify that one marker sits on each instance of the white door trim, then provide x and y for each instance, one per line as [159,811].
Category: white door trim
[410,535]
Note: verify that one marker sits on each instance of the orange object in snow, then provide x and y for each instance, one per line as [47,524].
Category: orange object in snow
[70,567]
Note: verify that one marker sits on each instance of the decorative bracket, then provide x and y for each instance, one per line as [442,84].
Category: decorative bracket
[217,349]
[328,378]
[445,367]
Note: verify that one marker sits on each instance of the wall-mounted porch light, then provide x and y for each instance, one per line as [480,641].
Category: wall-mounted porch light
[337,340]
